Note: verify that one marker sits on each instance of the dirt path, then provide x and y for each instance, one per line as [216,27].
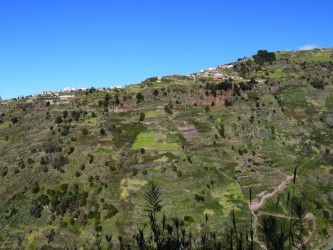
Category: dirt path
[255,205]
[308,216]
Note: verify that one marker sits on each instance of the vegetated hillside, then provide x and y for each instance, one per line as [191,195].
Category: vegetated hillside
[74,168]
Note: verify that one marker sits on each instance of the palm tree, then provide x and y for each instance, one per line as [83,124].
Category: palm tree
[153,198]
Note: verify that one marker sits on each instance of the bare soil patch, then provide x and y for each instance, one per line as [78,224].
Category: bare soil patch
[189,132]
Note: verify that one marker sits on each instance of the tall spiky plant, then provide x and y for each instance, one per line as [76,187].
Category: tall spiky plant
[234,224]
[251,229]
[277,204]
[299,225]
[153,199]
[140,239]
[288,197]
[280,238]
[268,229]
[292,206]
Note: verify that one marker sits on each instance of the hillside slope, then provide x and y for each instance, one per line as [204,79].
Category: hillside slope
[76,166]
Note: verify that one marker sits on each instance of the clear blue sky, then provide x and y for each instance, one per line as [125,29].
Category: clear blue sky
[52,44]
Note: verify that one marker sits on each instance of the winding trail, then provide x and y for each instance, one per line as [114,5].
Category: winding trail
[255,205]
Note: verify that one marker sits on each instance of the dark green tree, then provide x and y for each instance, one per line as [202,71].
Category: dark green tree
[318,84]
[142,116]
[139,97]
[263,56]
[36,209]
[155,92]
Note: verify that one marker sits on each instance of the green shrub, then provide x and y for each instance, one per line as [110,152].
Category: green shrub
[35,209]
[4,171]
[70,150]
[179,173]
[142,116]
[65,114]
[318,84]
[112,211]
[43,199]
[168,108]
[317,204]
[30,161]
[98,228]
[71,220]
[139,97]
[326,214]
[21,164]
[91,159]
[58,120]
[85,131]
[228,103]
[199,198]
[188,218]
[14,120]
[34,187]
